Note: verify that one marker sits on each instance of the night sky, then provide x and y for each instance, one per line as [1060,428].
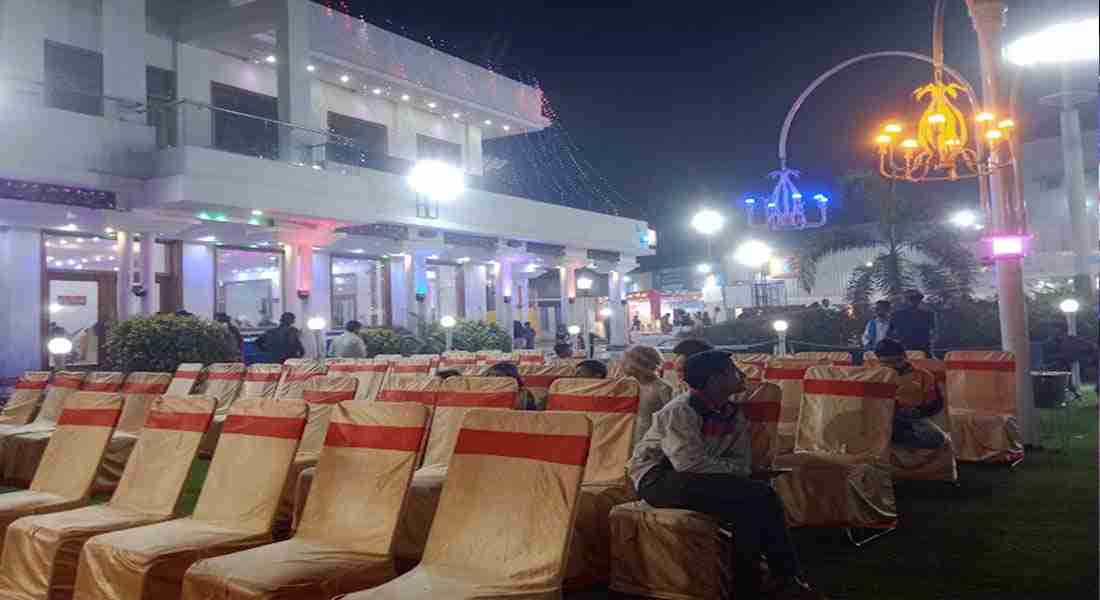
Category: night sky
[677,104]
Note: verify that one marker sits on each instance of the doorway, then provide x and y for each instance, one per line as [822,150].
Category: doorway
[80,307]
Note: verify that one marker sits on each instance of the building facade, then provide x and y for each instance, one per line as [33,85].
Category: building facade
[253,158]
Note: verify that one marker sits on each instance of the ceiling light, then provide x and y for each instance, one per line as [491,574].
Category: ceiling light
[270,59]
[208,238]
[488,122]
[257,213]
[345,78]
[358,251]
[311,68]
[405,97]
[108,230]
[69,227]
[377,91]
[507,128]
[432,105]
[456,115]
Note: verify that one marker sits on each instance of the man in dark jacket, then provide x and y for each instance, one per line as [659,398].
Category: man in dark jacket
[914,325]
[283,342]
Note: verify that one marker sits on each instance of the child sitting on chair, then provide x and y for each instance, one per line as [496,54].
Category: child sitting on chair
[918,399]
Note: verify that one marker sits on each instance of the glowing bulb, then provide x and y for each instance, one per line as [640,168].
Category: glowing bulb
[270,59]
[750,201]
[447,322]
[937,119]
[432,105]
[893,128]
[437,180]
[376,91]
[405,97]
[910,144]
[60,345]
[456,115]
[984,117]
[56,308]
[311,68]
[883,139]
[488,122]
[574,330]
[993,135]
[964,218]
[1006,124]
[1069,306]
[345,78]
[780,326]
[315,324]
[507,128]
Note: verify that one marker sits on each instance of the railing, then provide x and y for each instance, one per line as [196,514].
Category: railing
[16,93]
[191,123]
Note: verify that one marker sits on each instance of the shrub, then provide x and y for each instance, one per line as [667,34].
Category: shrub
[474,336]
[389,341]
[160,343]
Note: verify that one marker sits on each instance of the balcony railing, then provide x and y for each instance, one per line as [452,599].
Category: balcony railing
[191,123]
[18,93]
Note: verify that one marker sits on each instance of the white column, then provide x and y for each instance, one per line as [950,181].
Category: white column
[20,330]
[523,302]
[505,314]
[473,155]
[563,286]
[1073,159]
[403,137]
[475,291]
[123,39]
[420,287]
[571,314]
[295,104]
[198,280]
[320,297]
[148,274]
[125,247]
[617,335]
[400,289]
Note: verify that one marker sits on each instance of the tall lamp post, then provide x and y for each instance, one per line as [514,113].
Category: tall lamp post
[755,255]
[1063,45]
[317,326]
[448,324]
[1069,307]
[584,287]
[780,328]
[59,347]
[708,223]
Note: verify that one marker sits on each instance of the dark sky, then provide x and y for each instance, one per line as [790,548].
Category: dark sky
[680,103]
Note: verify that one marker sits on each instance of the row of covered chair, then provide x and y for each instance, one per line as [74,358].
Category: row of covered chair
[514,481]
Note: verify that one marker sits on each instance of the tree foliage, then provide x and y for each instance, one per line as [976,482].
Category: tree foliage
[160,343]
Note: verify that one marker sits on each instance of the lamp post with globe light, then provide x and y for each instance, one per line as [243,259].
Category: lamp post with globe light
[317,326]
[448,324]
[708,223]
[584,289]
[59,347]
[755,255]
[1064,45]
[780,328]
[1069,307]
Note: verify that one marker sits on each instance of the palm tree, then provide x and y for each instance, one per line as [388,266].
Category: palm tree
[914,249]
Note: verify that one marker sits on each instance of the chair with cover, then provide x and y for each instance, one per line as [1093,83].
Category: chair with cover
[345,537]
[234,511]
[187,378]
[837,359]
[506,512]
[370,373]
[841,462]
[788,373]
[929,464]
[612,406]
[538,379]
[223,382]
[982,388]
[26,396]
[261,380]
[296,371]
[65,474]
[41,552]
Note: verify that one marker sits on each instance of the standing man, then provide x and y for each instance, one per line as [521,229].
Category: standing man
[350,344]
[878,328]
[697,455]
[914,325]
[283,342]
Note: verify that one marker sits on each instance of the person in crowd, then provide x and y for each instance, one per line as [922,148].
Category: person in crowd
[506,369]
[350,344]
[445,374]
[684,350]
[563,350]
[666,324]
[529,335]
[914,324]
[580,341]
[183,313]
[591,369]
[636,324]
[644,364]
[878,328]
[918,399]
[704,318]
[697,455]
[284,341]
[236,333]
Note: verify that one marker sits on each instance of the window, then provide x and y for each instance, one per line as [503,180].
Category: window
[160,89]
[240,133]
[249,286]
[370,140]
[74,79]
[430,148]
[357,291]
[68,253]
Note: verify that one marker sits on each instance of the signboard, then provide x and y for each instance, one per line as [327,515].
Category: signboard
[48,193]
[72,300]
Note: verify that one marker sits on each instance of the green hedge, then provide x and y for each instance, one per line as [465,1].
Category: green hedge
[160,343]
[471,336]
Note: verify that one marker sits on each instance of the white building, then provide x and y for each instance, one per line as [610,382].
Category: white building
[250,157]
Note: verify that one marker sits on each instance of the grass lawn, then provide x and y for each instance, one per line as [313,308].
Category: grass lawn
[1027,533]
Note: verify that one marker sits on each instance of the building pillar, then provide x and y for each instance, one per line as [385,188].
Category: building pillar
[125,245]
[474,284]
[400,289]
[619,324]
[504,296]
[420,287]
[569,295]
[1073,161]
[123,37]
[403,137]
[148,274]
[523,302]
[295,84]
[474,163]
[21,345]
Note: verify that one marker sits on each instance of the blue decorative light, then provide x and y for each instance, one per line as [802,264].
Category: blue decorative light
[821,198]
[771,205]
[750,201]
[797,195]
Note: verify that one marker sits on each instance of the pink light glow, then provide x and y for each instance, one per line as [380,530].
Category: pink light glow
[1008,246]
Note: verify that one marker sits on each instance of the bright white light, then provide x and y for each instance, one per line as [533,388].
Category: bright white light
[376,91]
[430,275]
[447,322]
[208,238]
[626,279]
[315,324]
[432,105]
[868,264]
[456,115]
[311,68]
[108,230]
[605,312]
[507,127]
[437,180]
[59,345]
[707,222]
[358,251]
[584,283]
[1069,306]
[753,253]
[56,308]
[1063,43]
[257,213]
[405,97]
[1008,246]
[704,268]
[964,218]
[531,268]
[69,227]
[270,59]
[780,326]
[574,330]
[488,122]
[345,78]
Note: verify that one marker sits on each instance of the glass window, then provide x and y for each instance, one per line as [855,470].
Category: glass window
[250,286]
[357,291]
[370,140]
[75,314]
[442,292]
[430,148]
[160,86]
[74,79]
[240,133]
[95,253]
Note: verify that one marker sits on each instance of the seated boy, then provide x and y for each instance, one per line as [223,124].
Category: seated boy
[918,399]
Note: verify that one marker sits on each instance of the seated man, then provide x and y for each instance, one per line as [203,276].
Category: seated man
[563,350]
[918,399]
[527,399]
[591,369]
[697,456]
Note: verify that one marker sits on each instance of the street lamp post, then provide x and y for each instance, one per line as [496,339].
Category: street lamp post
[584,287]
[317,326]
[708,223]
[59,347]
[781,329]
[1069,307]
[448,324]
[756,255]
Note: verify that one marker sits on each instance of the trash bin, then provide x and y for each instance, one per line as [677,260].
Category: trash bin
[1049,387]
